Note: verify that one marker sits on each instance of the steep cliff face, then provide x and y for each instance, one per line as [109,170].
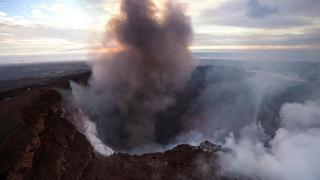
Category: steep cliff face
[47,146]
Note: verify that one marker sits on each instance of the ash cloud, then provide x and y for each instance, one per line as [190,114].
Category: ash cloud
[129,87]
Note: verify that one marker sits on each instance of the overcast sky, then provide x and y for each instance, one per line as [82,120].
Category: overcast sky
[228,29]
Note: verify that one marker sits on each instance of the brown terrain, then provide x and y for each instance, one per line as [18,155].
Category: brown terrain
[38,142]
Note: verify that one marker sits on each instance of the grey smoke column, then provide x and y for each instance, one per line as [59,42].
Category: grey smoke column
[134,84]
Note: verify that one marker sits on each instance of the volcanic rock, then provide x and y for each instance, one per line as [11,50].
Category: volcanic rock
[43,144]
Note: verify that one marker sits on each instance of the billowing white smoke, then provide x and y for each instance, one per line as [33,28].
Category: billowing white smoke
[297,116]
[292,154]
[89,129]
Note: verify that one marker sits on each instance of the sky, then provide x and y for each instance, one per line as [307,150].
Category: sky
[223,29]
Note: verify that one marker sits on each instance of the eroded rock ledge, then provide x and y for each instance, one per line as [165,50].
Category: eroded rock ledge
[47,146]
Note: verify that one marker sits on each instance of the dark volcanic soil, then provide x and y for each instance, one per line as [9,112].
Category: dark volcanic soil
[38,142]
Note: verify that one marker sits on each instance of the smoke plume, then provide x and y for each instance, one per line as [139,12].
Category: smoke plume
[141,78]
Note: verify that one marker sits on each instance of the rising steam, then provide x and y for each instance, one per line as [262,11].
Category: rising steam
[291,155]
[129,87]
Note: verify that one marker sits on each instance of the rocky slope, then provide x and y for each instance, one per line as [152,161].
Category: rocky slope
[42,144]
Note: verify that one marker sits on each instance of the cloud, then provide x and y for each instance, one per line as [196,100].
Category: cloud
[286,24]
[51,27]
[257,10]
[310,39]
[2,14]
[26,39]
[306,8]
[261,14]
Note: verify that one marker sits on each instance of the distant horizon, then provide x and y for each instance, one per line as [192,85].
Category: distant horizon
[230,29]
[200,55]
